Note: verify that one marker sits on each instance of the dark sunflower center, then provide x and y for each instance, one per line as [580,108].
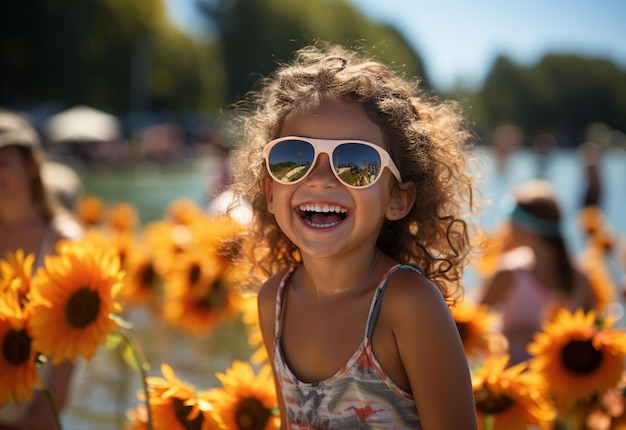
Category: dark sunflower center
[147,276]
[490,403]
[122,257]
[216,297]
[182,412]
[250,414]
[16,347]
[82,308]
[580,356]
[463,330]
[194,274]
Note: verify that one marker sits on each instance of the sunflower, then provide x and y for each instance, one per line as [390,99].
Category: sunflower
[166,241]
[72,299]
[475,325]
[141,283]
[224,237]
[123,243]
[593,264]
[197,298]
[183,211]
[16,274]
[175,404]
[591,219]
[600,234]
[580,356]
[18,372]
[122,217]
[513,398]
[90,210]
[246,401]
[491,250]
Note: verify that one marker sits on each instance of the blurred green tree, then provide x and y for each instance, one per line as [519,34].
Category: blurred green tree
[256,35]
[122,55]
[561,94]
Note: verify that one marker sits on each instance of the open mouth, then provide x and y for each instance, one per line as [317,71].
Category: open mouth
[322,215]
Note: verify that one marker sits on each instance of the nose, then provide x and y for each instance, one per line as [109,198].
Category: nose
[322,174]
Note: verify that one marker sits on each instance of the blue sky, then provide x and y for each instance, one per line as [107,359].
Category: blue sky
[458,40]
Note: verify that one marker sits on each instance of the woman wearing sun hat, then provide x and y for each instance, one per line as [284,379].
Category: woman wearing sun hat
[30,220]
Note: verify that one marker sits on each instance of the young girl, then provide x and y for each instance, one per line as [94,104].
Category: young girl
[358,187]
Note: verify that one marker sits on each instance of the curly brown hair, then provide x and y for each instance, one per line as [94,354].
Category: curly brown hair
[426,138]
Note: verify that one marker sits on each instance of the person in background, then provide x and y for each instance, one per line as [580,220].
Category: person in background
[506,140]
[358,188]
[536,273]
[31,220]
[590,160]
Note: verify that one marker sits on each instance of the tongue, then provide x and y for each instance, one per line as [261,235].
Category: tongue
[324,218]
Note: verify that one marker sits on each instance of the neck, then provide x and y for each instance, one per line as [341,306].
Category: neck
[333,277]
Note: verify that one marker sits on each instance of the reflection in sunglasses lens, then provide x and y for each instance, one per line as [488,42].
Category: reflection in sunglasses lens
[291,160]
[356,164]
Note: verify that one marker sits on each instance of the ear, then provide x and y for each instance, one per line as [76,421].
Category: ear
[269,195]
[401,202]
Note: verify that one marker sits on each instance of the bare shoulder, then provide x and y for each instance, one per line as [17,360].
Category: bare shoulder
[413,297]
[430,352]
[407,286]
[270,287]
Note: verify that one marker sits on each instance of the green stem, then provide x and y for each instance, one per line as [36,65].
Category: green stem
[570,424]
[488,421]
[570,421]
[142,369]
[53,406]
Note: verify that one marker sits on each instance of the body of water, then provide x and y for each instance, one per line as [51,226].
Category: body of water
[151,187]
[103,389]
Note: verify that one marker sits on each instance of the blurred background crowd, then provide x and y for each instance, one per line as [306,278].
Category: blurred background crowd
[131,107]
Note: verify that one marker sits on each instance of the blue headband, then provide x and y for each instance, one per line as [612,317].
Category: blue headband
[525,219]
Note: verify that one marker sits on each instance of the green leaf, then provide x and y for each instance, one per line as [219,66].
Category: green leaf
[113,340]
[130,357]
[133,355]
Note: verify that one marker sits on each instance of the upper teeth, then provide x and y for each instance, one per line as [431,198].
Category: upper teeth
[322,208]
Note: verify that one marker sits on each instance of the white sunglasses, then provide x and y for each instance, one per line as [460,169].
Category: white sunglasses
[355,163]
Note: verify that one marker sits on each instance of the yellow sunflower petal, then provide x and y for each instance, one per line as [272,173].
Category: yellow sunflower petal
[18,372]
[513,397]
[246,401]
[175,405]
[579,357]
[72,298]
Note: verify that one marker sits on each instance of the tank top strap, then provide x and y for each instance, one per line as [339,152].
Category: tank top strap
[280,296]
[380,290]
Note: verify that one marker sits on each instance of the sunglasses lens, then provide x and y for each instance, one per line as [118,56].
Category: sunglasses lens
[356,164]
[290,160]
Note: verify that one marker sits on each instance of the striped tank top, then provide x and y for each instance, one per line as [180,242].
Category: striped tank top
[359,396]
